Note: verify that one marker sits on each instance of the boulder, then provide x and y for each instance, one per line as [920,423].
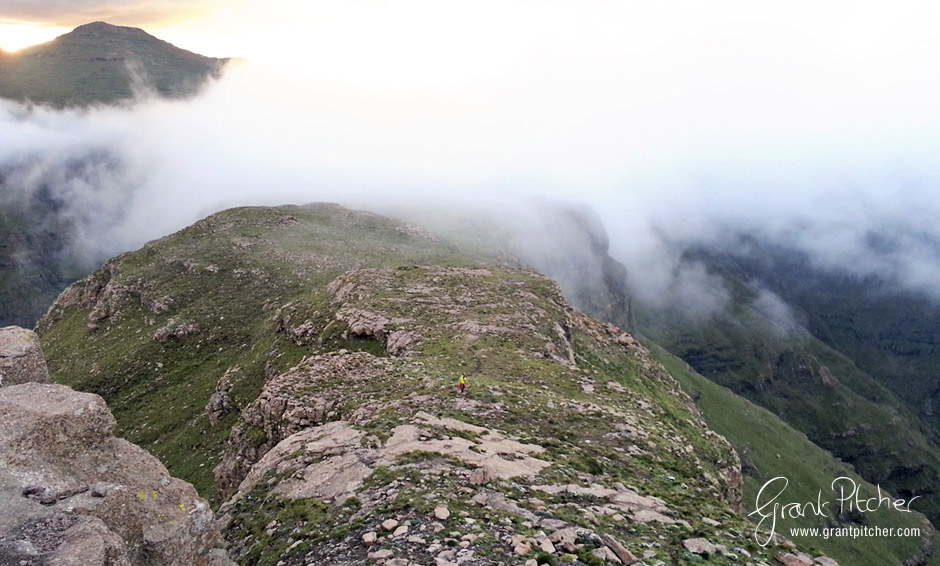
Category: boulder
[71,493]
[619,550]
[699,546]
[21,359]
[797,559]
[605,554]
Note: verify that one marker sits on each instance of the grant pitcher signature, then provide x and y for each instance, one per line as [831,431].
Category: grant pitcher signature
[847,494]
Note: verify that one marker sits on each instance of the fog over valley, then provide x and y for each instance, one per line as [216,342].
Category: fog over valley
[679,127]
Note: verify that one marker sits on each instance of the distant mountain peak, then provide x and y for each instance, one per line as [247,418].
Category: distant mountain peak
[99,26]
[89,65]
[95,28]
[103,33]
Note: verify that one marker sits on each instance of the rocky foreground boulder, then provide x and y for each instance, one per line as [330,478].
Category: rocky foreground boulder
[73,494]
[21,359]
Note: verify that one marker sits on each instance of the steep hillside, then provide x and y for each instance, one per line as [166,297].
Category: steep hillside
[309,355]
[771,448]
[99,63]
[158,328]
[777,363]
[890,332]
[34,267]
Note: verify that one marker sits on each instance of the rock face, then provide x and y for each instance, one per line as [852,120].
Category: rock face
[21,359]
[71,493]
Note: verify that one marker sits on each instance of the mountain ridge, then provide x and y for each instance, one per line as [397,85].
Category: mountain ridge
[239,342]
[100,63]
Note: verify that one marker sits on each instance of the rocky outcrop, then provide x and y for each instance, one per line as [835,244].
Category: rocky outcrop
[538,458]
[335,459]
[21,359]
[289,404]
[106,294]
[71,493]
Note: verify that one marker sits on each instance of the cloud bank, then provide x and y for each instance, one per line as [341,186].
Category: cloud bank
[680,123]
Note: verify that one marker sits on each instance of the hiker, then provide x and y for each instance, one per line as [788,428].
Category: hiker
[461,384]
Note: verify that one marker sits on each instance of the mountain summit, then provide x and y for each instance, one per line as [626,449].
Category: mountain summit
[103,63]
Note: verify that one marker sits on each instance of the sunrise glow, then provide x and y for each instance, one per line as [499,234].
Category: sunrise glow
[15,35]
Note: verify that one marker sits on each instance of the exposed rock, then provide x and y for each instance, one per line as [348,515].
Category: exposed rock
[546,546]
[643,509]
[620,550]
[364,323]
[54,444]
[441,513]
[286,406]
[553,524]
[607,554]
[89,542]
[699,546]
[412,231]
[499,502]
[220,403]
[381,554]
[400,341]
[797,559]
[483,476]
[174,331]
[565,539]
[340,462]
[21,359]
[825,561]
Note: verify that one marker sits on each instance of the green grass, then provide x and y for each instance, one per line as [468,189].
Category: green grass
[814,389]
[268,268]
[771,448]
[157,391]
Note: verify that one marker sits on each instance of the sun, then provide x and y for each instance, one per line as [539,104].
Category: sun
[15,35]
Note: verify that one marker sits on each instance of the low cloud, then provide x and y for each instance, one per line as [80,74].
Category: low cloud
[681,127]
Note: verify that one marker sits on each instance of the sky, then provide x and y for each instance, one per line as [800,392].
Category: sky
[679,121]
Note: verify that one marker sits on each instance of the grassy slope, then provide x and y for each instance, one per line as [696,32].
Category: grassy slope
[770,448]
[891,337]
[886,330]
[223,274]
[813,388]
[232,273]
[241,279]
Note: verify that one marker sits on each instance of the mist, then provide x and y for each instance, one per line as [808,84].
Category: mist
[680,125]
